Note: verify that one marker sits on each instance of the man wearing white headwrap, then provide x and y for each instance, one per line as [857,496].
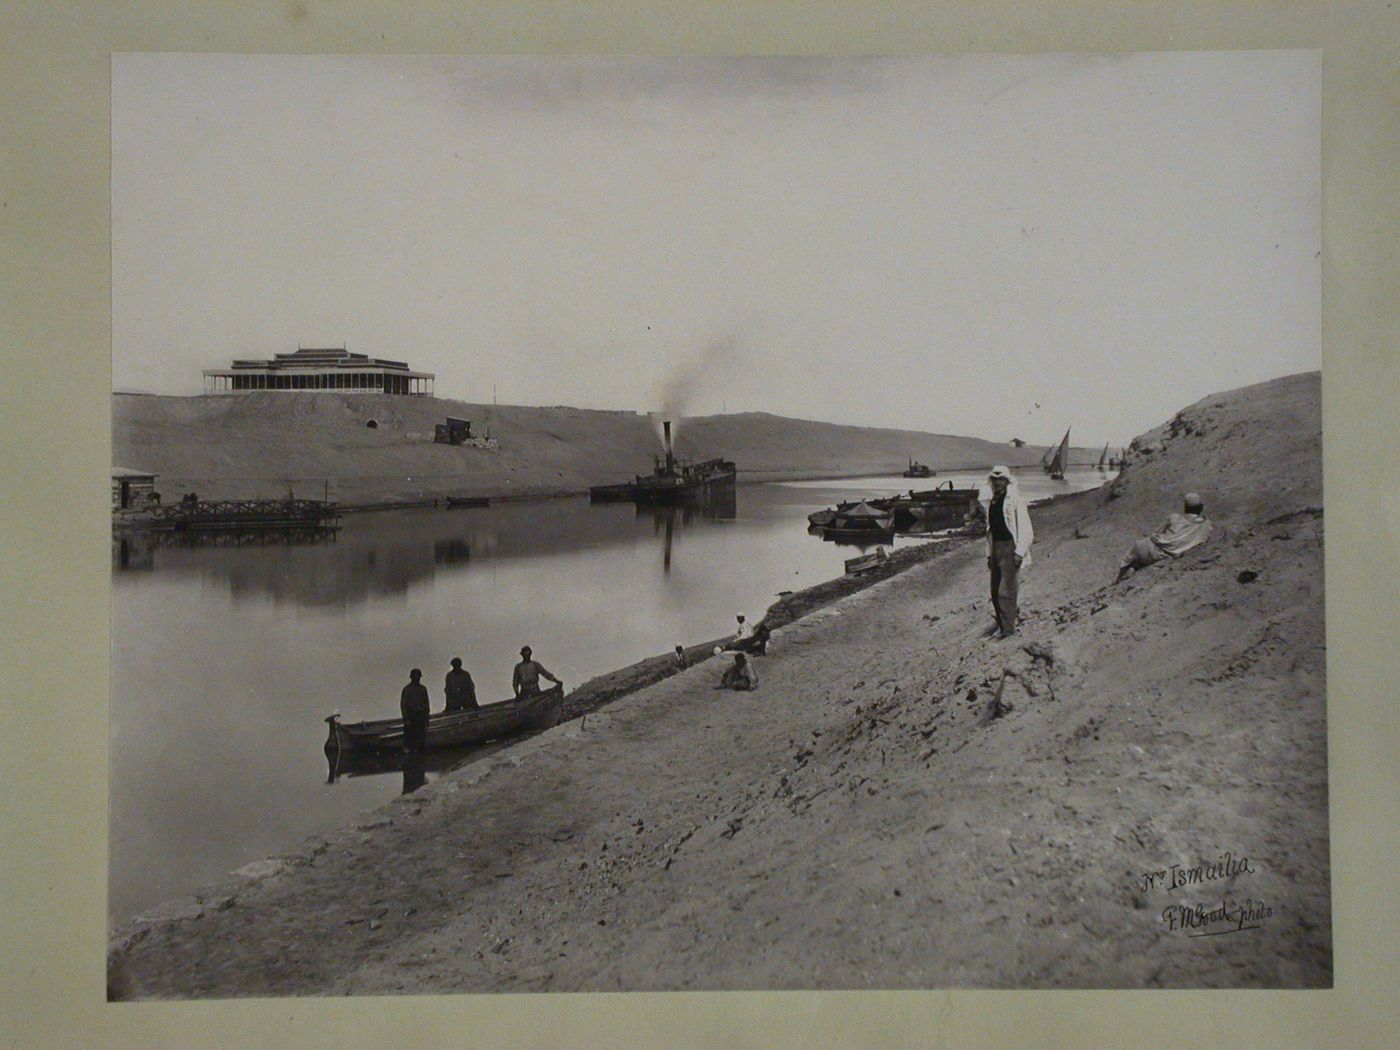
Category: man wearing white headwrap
[1009,539]
[1179,534]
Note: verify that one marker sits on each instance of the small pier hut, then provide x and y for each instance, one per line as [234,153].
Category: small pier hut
[132,490]
[454,432]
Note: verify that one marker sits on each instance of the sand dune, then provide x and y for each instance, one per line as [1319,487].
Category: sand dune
[262,444]
[903,803]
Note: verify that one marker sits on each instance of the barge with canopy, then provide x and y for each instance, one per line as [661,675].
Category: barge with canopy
[916,513]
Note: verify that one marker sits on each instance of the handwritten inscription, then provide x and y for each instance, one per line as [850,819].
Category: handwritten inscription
[1202,919]
[1226,917]
[1176,876]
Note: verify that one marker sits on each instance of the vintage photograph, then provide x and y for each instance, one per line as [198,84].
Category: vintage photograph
[659,524]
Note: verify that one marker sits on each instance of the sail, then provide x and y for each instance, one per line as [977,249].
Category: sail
[1045,459]
[1057,465]
[1103,456]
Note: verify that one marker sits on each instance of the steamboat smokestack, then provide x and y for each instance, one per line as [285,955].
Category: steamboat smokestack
[670,459]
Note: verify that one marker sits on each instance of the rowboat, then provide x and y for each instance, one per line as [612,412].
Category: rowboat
[866,562]
[454,728]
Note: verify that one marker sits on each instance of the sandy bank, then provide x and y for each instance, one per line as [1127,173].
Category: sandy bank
[903,802]
[263,444]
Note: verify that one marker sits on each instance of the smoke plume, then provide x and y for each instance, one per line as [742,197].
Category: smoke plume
[701,373]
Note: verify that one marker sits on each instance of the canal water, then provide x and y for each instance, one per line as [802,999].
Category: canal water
[227,655]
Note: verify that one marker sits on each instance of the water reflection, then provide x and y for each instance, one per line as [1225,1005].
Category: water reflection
[864,542]
[720,505]
[414,774]
[385,553]
[414,766]
[137,550]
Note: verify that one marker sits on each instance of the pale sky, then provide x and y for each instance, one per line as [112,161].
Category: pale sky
[987,245]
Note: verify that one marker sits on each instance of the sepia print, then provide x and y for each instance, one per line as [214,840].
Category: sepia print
[633,524]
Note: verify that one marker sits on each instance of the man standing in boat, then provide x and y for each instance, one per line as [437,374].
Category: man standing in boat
[461,690]
[526,679]
[1009,538]
[413,705]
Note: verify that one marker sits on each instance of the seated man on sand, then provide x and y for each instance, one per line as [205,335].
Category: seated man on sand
[1181,533]
[740,675]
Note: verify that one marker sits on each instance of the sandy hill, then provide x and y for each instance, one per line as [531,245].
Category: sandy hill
[261,444]
[904,802]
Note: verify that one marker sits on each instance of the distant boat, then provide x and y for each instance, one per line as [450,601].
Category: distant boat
[1103,457]
[454,728]
[455,502]
[918,470]
[1057,464]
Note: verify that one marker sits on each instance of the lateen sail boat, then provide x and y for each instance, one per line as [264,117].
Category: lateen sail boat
[1057,465]
[1103,457]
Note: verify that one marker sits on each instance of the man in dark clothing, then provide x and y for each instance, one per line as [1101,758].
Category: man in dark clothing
[413,705]
[461,690]
[1009,538]
[679,658]
[526,679]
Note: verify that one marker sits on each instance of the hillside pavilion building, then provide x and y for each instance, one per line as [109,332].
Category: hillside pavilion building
[319,369]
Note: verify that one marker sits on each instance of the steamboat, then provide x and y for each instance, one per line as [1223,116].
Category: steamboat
[672,480]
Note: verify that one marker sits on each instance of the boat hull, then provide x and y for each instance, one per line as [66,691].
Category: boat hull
[676,485]
[455,728]
[866,562]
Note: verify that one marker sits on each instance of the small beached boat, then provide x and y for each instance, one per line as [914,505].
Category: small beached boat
[455,728]
[866,562]
[455,502]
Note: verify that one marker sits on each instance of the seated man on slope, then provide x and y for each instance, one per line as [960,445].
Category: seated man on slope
[1181,533]
[740,675]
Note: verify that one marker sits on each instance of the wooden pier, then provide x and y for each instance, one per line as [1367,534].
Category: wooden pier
[240,514]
